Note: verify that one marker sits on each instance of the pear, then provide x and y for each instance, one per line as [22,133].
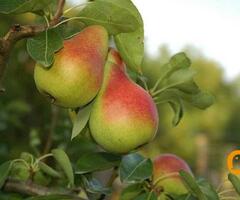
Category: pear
[76,75]
[124,115]
[165,174]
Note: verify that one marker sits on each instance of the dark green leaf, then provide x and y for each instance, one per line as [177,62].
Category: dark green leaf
[22,6]
[135,168]
[81,120]
[92,185]
[115,18]
[70,29]
[4,172]
[131,45]
[235,182]
[49,170]
[131,191]
[63,160]
[192,185]
[43,46]
[97,161]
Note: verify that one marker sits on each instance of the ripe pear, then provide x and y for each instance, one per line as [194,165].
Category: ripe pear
[124,115]
[165,174]
[76,75]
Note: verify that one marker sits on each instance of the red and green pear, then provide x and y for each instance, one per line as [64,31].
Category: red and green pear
[76,75]
[165,175]
[124,115]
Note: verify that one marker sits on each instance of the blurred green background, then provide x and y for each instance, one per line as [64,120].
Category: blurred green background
[203,138]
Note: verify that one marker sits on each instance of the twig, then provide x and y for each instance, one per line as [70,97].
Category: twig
[18,32]
[49,140]
[32,189]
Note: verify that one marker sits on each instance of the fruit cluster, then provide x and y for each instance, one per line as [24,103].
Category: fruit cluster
[124,115]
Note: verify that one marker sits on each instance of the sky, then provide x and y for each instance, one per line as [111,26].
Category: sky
[212,26]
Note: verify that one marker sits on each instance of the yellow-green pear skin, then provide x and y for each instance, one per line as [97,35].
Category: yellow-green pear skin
[124,115]
[165,174]
[76,75]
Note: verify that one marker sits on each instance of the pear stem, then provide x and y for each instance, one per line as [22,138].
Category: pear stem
[69,19]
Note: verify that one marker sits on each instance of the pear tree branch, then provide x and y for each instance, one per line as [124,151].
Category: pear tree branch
[31,189]
[18,32]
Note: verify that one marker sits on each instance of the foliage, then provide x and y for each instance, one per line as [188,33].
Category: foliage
[73,164]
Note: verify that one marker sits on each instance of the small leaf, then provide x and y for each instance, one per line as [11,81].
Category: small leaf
[49,170]
[192,185]
[208,189]
[135,168]
[131,45]
[179,61]
[180,77]
[131,192]
[116,19]
[201,100]
[63,160]
[43,46]
[81,120]
[235,182]
[51,197]
[91,162]
[4,172]
[177,107]
[22,6]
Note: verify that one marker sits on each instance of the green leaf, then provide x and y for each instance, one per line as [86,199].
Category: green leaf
[51,197]
[189,87]
[201,100]
[70,29]
[97,161]
[208,189]
[177,62]
[63,160]
[49,170]
[115,18]
[131,45]
[81,120]
[4,172]
[177,106]
[43,46]
[182,197]
[95,186]
[147,196]
[22,6]
[180,60]
[235,182]
[179,77]
[131,191]
[135,168]
[192,185]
